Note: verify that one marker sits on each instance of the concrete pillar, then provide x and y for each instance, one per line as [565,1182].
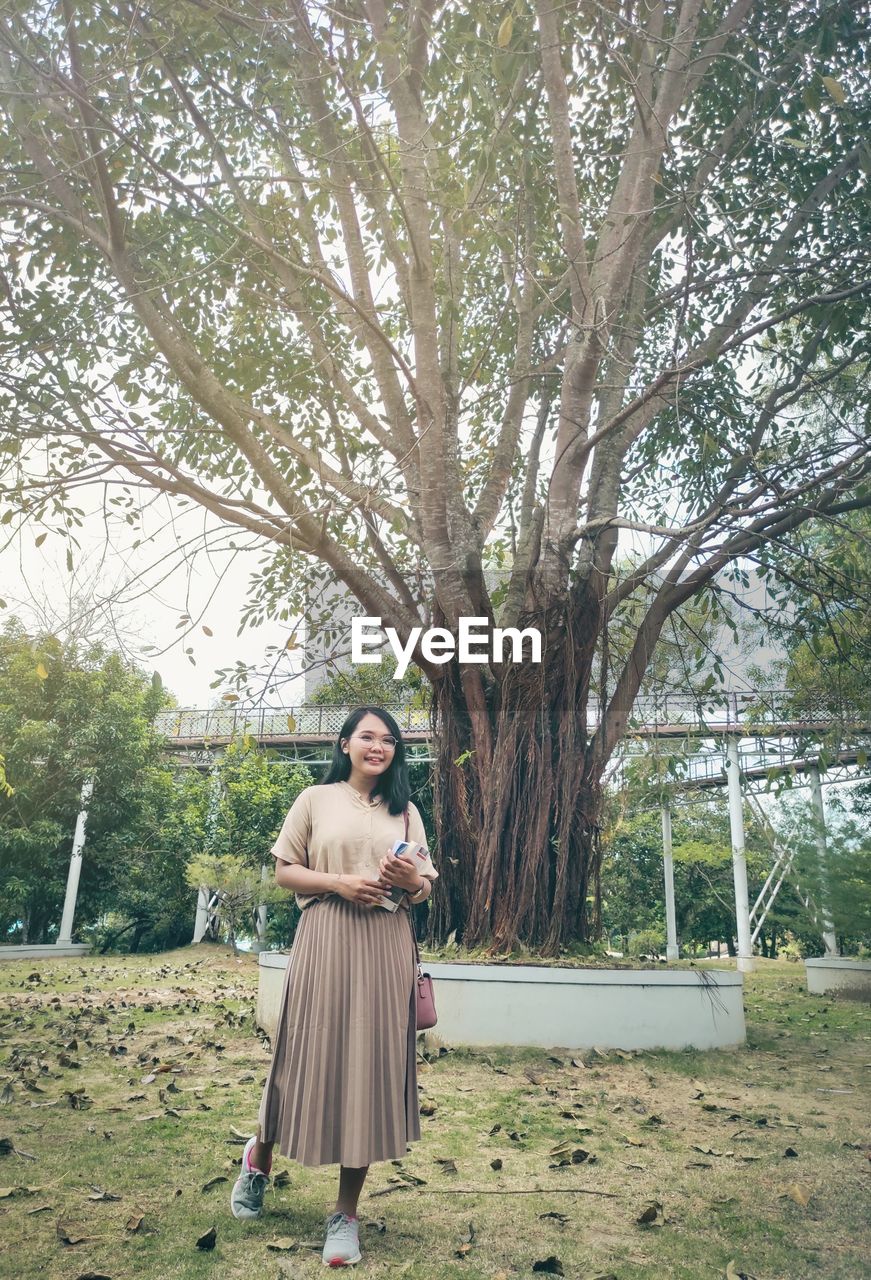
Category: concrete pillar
[739,860]
[828,928]
[202,919]
[260,940]
[671,947]
[65,936]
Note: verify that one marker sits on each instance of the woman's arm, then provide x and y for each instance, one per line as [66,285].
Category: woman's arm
[401,871]
[422,894]
[292,875]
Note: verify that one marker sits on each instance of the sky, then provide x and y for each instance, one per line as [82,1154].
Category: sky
[137,598]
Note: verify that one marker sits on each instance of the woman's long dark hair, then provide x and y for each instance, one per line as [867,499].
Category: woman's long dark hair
[393,784]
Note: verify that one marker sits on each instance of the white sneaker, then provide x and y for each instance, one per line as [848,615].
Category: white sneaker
[246,1198]
[342,1245]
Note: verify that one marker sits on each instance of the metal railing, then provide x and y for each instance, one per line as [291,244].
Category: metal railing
[307,721]
[751,709]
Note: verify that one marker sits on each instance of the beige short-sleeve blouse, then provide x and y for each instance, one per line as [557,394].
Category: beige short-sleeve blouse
[333,828]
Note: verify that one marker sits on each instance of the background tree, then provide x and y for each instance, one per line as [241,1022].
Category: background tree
[374,685]
[68,712]
[634,893]
[238,888]
[406,289]
[826,624]
[241,804]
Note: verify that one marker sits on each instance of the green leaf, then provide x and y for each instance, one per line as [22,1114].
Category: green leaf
[835,90]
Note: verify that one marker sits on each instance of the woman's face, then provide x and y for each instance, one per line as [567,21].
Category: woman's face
[371,747]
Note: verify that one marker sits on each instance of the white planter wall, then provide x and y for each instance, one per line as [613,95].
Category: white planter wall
[836,973]
[480,1004]
[43,950]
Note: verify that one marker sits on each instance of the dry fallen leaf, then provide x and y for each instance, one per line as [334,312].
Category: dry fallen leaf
[214,1182]
[551,1265]
[651,1215]
[733,1274]
[207,1241]
[134,1222]
[68,1235]
[800,1194]
[283,1245]
[466,1244]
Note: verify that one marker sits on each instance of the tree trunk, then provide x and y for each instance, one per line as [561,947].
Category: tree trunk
[519,835]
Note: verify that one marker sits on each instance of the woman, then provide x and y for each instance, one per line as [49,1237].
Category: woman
[342,1086]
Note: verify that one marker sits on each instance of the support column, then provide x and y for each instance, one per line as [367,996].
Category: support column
[671,947]
[260,940]
[202,919]
[65,936]
[828,928]
[739,860]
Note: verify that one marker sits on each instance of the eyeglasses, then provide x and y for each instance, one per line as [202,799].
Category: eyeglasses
[388,741]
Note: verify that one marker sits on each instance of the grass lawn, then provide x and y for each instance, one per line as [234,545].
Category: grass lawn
[127,1085]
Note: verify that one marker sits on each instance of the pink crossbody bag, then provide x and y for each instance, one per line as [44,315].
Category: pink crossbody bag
[423,988]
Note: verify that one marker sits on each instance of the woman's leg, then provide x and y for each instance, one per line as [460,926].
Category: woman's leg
[261,1154]
[350,1185]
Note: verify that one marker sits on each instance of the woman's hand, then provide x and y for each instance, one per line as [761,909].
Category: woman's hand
[365,893]
[401,872]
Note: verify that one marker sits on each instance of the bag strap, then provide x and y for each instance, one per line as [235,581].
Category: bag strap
[414,939]
[411,914]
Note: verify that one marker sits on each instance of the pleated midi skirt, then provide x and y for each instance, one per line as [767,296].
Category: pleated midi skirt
[342,1085]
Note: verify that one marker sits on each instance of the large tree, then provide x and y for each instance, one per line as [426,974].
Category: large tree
[411,289]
